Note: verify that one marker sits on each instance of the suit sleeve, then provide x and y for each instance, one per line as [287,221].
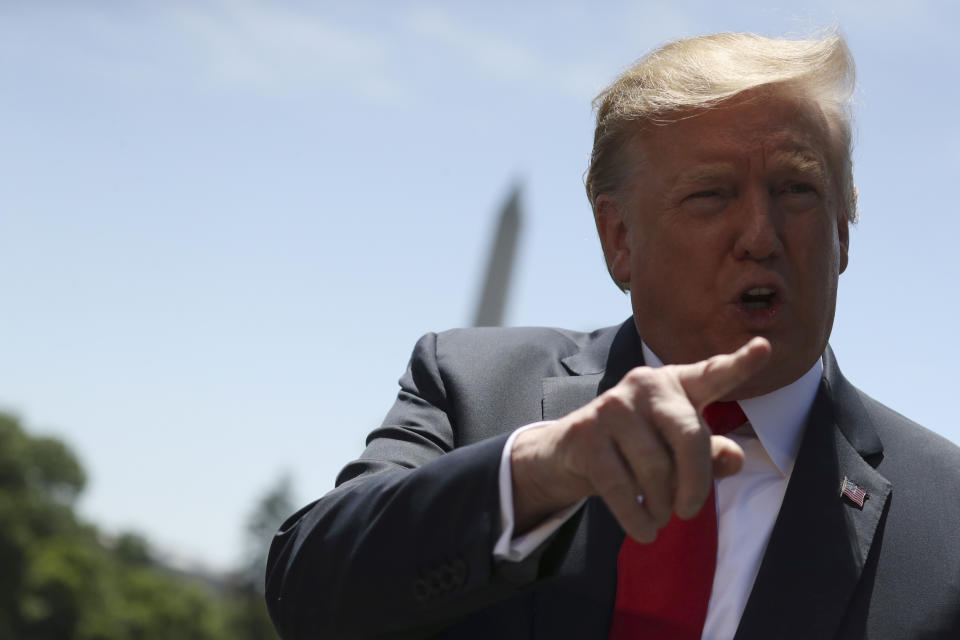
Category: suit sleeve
[403,544]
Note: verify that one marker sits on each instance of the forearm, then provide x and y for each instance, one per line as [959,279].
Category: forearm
[400,549]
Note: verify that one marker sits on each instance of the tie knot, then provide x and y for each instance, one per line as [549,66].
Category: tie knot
[723,417]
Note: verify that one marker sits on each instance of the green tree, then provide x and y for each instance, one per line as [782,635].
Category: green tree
[39,481]
[275,506]
[60,582]
[61,579]
[248,619]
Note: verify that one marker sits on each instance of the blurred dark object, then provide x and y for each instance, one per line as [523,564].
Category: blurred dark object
[503,253]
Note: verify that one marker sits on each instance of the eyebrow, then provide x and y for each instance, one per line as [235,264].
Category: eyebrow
[806,162]
[803,161]
[704,173]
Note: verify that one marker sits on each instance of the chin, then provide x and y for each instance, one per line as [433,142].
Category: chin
[779,372]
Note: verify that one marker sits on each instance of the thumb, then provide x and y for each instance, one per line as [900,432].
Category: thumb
[726,455]
[713,378]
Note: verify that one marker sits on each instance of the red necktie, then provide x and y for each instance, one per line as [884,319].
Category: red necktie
[663,588]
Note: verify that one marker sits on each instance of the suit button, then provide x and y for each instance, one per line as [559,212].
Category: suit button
[459,571]
[436,584]
[447,578]
[421,591]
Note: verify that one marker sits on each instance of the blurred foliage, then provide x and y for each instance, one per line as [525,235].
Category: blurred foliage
[274,507]
[62,579]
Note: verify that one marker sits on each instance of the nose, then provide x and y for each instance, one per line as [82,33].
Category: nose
[758,233]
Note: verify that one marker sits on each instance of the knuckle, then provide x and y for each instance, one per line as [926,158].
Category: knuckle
[611,404]
[646,448]
[672,376]
[718,367]
[662,412]
[674,414]
[719,360]
[613,486]
[670,370]
[580,427]
[614,412]
[656,468]
[691,436]
[640,376]
[711,363]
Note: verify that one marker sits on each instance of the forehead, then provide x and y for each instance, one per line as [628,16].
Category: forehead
[777,129]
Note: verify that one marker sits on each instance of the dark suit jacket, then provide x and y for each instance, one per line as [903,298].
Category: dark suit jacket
[403,546]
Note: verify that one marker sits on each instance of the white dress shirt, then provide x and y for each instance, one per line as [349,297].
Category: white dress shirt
[747,503]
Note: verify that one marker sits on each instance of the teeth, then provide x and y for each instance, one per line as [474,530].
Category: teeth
[758,298]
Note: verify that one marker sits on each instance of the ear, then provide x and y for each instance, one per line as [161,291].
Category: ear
[612,229]
[843,233]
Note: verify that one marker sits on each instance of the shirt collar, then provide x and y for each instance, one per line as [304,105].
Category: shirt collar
[778,418]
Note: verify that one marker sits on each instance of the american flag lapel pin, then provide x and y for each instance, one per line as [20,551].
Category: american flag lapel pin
[855,493]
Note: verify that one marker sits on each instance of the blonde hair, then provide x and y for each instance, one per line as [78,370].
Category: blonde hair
[702,72]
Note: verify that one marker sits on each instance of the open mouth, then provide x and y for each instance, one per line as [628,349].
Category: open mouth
[758,298]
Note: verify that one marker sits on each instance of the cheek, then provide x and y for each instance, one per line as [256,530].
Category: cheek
[835,261]
[823,265]
[816,246]
[652,269]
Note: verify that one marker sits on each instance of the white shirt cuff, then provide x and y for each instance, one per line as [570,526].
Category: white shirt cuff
[517,549]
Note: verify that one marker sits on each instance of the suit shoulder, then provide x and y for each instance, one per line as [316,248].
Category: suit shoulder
[515,342]
[899,432]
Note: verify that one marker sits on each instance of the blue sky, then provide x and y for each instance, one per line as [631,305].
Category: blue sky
[223,225]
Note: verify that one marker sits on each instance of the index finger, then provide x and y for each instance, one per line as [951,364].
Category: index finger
[704,382]
[712,379]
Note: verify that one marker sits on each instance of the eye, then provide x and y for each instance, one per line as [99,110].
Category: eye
[798,196]
[708,193]
[706,201]
[799,187]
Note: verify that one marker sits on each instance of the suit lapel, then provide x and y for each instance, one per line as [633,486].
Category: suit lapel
[578,603]
[821,540]
[600,364]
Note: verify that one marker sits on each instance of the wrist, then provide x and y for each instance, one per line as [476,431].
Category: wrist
[539,490]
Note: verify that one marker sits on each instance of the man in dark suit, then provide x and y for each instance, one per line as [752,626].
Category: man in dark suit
[721,186]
